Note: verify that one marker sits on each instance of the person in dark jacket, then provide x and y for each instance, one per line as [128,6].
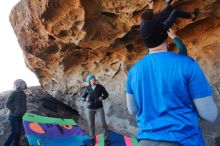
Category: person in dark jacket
[16,103]
[93,94]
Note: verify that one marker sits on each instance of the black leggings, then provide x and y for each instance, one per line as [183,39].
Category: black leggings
[168,15]
[16,128]
[168,23]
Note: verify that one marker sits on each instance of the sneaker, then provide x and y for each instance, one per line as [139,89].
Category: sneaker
[107,142]
[195,14]
[93,142]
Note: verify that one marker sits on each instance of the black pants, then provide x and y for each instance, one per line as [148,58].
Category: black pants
[16,127]
[168,15]
[91,119]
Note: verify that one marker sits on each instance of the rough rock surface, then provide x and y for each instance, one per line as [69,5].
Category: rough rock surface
[64,40]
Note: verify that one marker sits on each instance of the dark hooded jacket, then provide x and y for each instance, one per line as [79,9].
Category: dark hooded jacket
[93,101]
[16,103]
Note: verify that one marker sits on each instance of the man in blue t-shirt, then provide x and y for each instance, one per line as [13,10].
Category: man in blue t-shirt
[167,93]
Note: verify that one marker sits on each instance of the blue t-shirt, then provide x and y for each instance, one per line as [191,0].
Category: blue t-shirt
[164,85]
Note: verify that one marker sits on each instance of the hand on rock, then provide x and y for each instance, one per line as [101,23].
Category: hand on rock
[171,33]
[151,4]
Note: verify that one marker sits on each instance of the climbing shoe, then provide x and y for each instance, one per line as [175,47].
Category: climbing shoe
[168,1]
[195,14]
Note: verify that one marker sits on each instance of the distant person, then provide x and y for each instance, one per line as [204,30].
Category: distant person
[168,15]
[16,103]
[168,93]
[94,93]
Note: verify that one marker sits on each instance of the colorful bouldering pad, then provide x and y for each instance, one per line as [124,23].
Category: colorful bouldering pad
[47,131]
[116,140]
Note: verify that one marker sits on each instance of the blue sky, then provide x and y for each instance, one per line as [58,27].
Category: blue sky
[11,57]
